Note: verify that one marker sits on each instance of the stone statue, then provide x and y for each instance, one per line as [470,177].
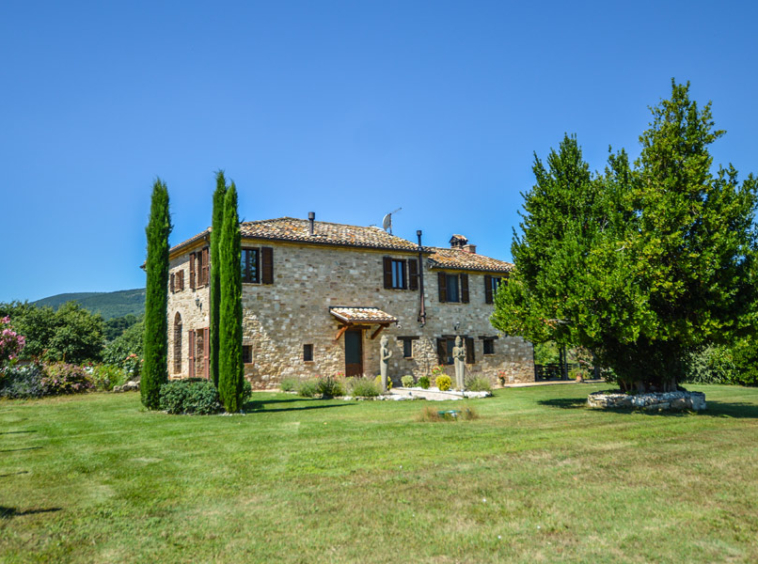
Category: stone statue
[384,356]
[459,357]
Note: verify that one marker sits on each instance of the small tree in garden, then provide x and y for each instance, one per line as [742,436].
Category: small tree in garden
[215,290]
[155,366]
[231,370]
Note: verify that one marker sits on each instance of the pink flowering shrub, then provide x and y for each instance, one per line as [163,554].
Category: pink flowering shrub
[61,378]
[11,343]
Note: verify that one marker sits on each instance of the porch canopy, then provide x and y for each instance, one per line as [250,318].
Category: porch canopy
[361,316]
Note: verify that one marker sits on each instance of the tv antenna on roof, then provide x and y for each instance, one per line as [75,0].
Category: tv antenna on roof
[387,221]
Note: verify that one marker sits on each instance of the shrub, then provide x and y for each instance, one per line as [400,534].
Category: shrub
[378,381]
[444,382]
[329,387]
[247,390]
[61,378]
[306,388]
[189,397]
[364,388]
[423,382]
[106,376]
[478,383]
[22,382]
[408,381]
[289,384]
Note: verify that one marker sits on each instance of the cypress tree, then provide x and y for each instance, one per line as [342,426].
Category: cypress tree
[216,226]
[155,350]
[230,308]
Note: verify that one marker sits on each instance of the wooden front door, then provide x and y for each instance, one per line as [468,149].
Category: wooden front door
[353,352]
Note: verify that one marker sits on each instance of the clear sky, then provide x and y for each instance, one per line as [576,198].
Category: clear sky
[348,109]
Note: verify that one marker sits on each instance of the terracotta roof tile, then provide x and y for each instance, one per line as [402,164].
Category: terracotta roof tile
[362,315]
[459,259]
[291,229]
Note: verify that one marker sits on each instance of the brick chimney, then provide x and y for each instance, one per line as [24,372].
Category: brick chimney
[470,249]
[458,242]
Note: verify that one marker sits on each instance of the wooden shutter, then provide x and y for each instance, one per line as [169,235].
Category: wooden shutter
[206,351]
[172,283]
[487,289]
[387,272]
[180,280]
[267,265]
[206,267]
[413,274]
[442,282]
[470,355]
[441,351]
[405,274]
[191,353]
[192,271]
[464,288]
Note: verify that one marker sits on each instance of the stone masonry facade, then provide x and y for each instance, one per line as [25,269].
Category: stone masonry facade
[290,331]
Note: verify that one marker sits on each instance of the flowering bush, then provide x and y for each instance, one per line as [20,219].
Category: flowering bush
[22,382]
[62,378]
[444,382]
[11,343]
[106,376]
[503,377]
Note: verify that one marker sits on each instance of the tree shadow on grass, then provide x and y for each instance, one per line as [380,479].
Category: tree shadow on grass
[11,512]
[18,449]
[565,403]
[263,406]
[16,432]
[740,410]
[14,474]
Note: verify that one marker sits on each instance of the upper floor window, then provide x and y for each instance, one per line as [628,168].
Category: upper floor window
[177,281]
[257,265]
[491,284]
[250,266]
[199,268]
[400,274]
[453,287]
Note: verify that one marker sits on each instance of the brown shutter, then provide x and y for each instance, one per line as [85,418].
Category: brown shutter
[442,281]
[206,267]
[464,288]
[413,274]
[191,353]
[441,352]
[487,289]
[172,283]
[180,280]
[387,272]
[405,275]
[206,351]
[470,356]
[267,266]
[192,271]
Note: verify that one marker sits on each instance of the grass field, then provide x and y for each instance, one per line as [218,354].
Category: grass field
[536,478]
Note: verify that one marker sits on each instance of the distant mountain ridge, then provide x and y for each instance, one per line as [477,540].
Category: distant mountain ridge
[107,304]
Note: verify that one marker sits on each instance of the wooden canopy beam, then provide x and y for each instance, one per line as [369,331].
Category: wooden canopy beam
[379,330]
[341,332]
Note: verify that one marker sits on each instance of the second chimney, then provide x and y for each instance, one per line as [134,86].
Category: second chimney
[311,221]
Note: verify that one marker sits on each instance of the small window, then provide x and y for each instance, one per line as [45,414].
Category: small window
[407,348]
[307,353]
[489,346]
[250,266]
[247,354]
[398,274]
[451,288]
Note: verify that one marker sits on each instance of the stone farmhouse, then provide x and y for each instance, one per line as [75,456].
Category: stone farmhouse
[317,296]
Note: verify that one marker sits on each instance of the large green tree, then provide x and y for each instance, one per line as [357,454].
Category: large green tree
[155,366]
[215,291]
[231,370]
[641,264]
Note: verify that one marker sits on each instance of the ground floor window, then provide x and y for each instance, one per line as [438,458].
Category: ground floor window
[247,354]
[489,345]
[445,345]
[307,353]
[407,346]
[199,351]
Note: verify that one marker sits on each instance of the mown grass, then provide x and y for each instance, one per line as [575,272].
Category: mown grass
[536,478]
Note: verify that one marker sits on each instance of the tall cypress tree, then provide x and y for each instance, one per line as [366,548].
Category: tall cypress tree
[230,308]
[155,368]
[216,226]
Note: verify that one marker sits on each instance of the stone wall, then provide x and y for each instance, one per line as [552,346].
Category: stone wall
[279,319]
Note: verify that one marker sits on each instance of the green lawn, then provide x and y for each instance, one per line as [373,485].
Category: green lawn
[537,478]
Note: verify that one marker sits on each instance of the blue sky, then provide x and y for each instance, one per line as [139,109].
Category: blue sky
[348,109]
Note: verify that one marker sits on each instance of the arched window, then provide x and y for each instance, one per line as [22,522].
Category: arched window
[177,343]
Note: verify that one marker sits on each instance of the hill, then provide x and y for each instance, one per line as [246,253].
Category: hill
[107,304]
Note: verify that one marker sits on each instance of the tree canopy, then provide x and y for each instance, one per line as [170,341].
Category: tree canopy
[642,264]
